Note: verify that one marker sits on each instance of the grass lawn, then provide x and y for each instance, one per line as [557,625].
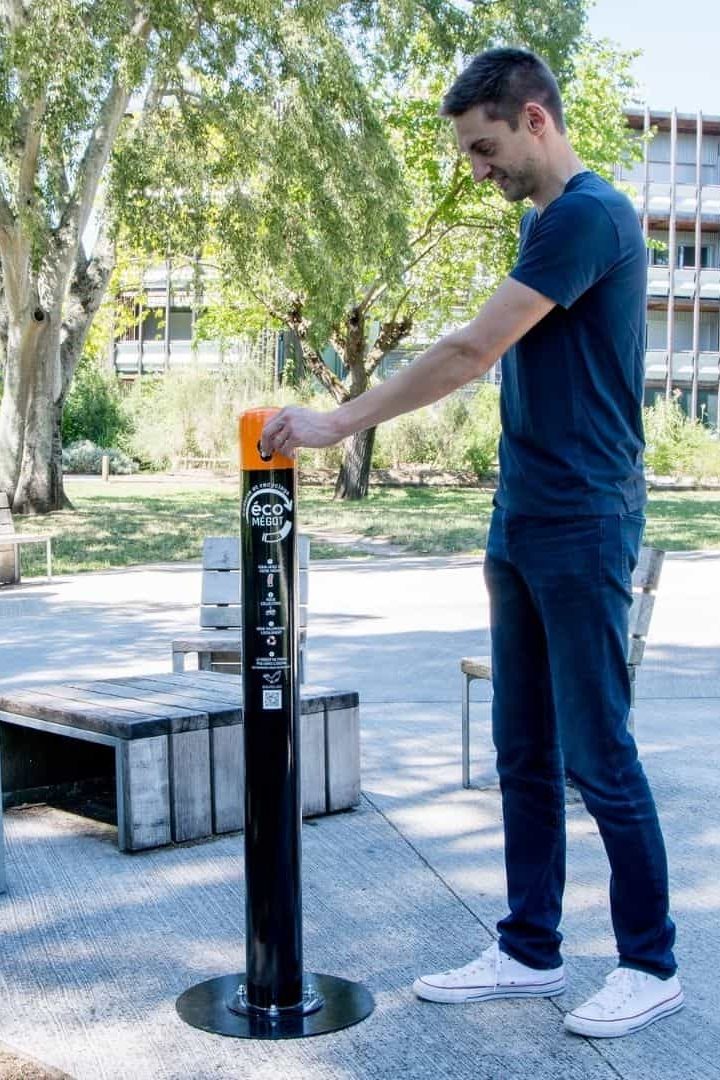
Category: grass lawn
[127,523]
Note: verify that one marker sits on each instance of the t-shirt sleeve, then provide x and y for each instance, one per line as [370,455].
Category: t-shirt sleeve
[573,244]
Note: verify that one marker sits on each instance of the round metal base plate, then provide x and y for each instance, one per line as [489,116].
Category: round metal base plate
[206,1006]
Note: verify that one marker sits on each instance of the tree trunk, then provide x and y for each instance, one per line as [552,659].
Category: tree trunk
[354,477]
[30,465]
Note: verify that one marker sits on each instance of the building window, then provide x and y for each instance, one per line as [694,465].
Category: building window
[684,256]
[707,404]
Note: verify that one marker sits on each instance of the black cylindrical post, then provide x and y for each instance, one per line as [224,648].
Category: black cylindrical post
[272,999]
[273,810]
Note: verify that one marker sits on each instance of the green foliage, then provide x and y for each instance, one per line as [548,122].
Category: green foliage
[94,408]
[319,172]
[677,445]
[602,85]
[460,434]
[482,431]
[194,414]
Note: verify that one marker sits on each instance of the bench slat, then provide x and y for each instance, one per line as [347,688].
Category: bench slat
[647,572]
[223,587]
[229,616]
[142,691]
[177,684]
[223,552]
[640,614]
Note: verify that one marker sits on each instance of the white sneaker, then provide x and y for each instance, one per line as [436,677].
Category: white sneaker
[628,1002]
[493,975]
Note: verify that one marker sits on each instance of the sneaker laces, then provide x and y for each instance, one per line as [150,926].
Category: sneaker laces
[488,959]
[620,986]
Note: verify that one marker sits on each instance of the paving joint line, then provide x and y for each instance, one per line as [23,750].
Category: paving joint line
[428,864]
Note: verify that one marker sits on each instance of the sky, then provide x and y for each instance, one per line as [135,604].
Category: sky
[680,40]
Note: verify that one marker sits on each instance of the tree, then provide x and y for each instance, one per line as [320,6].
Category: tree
[455,241]
[84,80]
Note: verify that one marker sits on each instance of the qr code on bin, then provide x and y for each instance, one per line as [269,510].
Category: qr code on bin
[272,699]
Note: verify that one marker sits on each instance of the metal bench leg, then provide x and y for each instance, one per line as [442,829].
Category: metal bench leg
[465,697]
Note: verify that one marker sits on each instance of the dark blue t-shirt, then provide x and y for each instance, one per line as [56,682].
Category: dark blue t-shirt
[572,387]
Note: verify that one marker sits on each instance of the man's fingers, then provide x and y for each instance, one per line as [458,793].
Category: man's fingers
[276,434]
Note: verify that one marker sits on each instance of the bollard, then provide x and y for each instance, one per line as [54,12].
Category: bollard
[105,465]
[272,999]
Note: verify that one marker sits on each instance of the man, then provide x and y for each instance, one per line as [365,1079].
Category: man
[563,542]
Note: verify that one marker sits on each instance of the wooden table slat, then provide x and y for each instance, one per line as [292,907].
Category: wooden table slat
[213,695]
[155,691]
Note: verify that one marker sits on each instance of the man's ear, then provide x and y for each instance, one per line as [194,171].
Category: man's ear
[535,118]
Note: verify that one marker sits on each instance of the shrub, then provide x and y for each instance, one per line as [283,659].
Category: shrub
[194,414]
[94,407]
[460,433]
[86,457]
[481,431]
[677,445]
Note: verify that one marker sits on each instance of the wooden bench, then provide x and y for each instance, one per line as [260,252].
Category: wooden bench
[218,644]
[175,745]
[11,542]
[645,582]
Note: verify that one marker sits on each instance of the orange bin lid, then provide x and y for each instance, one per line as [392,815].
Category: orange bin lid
[250,427]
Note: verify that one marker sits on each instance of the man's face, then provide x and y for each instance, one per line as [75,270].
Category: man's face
[508,158]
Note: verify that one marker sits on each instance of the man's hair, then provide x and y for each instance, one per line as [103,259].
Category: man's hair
[502,80]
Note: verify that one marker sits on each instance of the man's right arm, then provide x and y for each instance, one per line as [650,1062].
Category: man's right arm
[452,362]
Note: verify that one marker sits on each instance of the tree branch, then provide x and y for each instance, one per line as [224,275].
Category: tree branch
[294,320]
[391,333]
[76,214]
[87,291]
[379,286]
[31,137]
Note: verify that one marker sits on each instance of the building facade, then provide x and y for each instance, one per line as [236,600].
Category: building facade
[676,191]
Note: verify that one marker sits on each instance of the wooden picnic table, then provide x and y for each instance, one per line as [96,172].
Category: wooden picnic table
[178,749]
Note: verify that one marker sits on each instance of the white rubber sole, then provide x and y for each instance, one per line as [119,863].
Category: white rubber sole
[615,1029]
[458,995]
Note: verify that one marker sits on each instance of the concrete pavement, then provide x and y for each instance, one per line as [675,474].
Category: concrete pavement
[96,946]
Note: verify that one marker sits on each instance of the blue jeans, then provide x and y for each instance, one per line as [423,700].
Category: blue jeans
[560,592]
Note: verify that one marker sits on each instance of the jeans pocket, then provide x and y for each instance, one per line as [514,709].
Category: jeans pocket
[563,554]
[632,527]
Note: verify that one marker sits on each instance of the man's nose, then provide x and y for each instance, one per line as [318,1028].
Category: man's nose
[481,171]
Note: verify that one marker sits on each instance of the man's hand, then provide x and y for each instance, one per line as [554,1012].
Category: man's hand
[293,427]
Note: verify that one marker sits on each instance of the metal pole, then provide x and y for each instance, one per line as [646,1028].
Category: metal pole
[672,255]
[272,999]
[698,268]
[273,811]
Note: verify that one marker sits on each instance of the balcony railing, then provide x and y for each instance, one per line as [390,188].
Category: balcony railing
[684,283]
[130,359]
[656,367]
[659,198]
